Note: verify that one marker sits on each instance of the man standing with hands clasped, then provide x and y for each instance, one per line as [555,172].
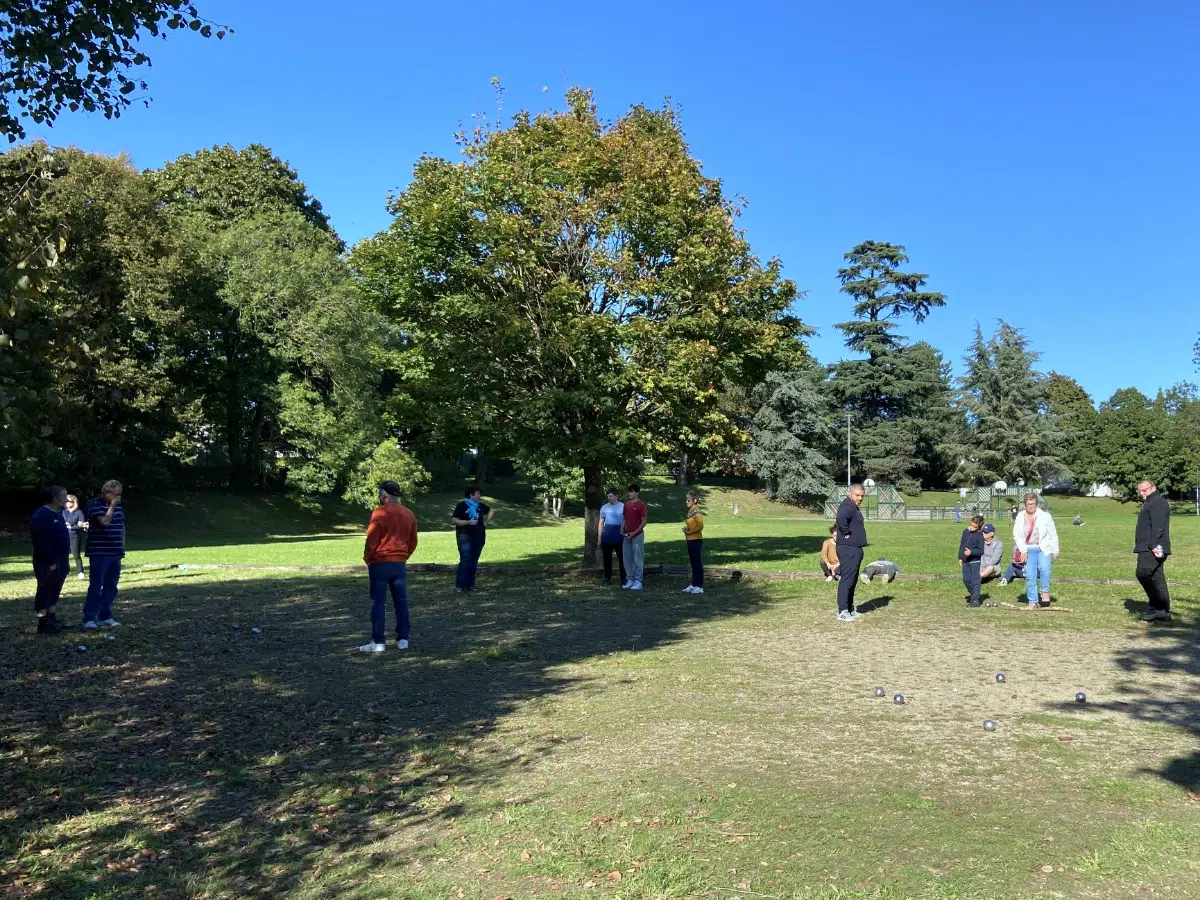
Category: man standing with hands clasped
[851,536]
[633,528]
[105,550]
[1152,544]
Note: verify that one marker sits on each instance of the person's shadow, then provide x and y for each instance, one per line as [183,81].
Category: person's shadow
[875,603]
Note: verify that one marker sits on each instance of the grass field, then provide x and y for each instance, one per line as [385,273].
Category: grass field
[550,737]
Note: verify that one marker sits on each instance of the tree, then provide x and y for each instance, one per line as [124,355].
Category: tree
[555,480]
[72,54]
[387,462]
[578,289]
[1075,412]
[898,395]
[1133,441]
[1010,433]
[788,433]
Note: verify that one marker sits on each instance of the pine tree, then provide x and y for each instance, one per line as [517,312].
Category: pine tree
[789,431]
[1010,434]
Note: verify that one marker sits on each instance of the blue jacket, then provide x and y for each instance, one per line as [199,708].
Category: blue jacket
[851,530]
[974,540]
[51,540]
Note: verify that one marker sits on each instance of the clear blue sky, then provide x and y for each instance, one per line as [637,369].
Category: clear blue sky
[1038,159]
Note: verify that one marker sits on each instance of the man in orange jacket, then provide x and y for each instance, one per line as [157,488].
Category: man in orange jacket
[391,539]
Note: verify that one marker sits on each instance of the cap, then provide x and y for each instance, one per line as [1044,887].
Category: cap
[989,528]
[390,488]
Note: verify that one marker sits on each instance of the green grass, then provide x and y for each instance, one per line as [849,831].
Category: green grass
[550,737]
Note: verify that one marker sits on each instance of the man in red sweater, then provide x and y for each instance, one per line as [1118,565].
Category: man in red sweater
[391,539]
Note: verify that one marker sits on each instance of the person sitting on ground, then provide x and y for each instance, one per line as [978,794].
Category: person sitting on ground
[970,555]
[1015,570]
[1078,520]
[884,568]
[829,558]
[993,553]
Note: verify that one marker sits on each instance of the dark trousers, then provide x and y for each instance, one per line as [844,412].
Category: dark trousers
[78,541]
[828,570]
[469,548]
[609,550]
[1153,581]
[694,548]
[49,584]
[385,577]
[102,589]
[850,563]
[970,576]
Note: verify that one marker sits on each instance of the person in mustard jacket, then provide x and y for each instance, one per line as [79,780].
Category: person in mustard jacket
[829,558]
[693,532]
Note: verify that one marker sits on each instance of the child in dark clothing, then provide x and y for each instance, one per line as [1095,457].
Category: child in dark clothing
[970,554]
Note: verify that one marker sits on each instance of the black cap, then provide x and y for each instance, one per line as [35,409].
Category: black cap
[390,488]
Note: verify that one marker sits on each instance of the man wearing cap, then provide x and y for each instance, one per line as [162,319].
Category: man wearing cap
[993,554]
[391,539]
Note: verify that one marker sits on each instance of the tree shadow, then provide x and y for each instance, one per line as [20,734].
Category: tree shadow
[194,755]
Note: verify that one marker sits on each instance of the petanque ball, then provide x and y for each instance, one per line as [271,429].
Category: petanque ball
[899,699]
[82,649]
[256,631]
[879,692]
[1081,697]
[989,725]
[1000,677]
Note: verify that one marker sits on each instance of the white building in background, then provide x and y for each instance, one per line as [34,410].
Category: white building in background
[1097,489]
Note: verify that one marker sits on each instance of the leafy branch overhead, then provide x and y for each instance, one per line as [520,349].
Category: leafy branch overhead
[70,54]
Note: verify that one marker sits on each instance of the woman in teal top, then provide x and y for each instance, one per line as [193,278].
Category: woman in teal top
[612,514]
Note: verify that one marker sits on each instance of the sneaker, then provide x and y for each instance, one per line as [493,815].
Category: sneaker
[608,581]
[845,617]
[635,586]
[90,625]
[401,644]
[855,614]
[975,604]
[689,589]
[828,578]
[1003,582]
[627,585]
[80,576]
[1157,615]
[110,623]
[372,647]
[864,579]
[1033,604]
[697,590]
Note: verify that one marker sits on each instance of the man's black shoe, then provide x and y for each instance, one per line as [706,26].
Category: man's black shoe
[975,604]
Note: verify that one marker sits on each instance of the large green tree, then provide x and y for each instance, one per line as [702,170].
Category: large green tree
[72,54]
[1010,433]
[789,432]
[579,289]
[897,393]
[1074,410]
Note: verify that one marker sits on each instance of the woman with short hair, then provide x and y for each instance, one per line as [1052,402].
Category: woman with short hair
[77,527]
[1036,542]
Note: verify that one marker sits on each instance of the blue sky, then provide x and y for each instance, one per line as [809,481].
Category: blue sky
[1038,159]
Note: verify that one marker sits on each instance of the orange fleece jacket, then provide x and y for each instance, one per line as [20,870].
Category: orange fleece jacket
[392,534]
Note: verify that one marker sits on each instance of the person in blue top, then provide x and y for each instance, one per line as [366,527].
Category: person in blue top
[105,550]
[471,518]
[51,558]
[612,515]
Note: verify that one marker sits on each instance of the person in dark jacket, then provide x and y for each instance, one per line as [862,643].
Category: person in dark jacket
[851,538]
[51,558]
[970,555]
[1152,544]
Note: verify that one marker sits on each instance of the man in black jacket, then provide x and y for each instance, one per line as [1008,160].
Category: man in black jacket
[851,536]
[1152,544]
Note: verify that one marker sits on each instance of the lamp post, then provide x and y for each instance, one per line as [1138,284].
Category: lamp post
[847,449]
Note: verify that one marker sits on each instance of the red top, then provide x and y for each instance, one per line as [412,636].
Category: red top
[635,517]
[392,534]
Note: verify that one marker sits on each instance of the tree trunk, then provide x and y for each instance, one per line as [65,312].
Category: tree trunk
[593,499]
[558,507]
[681,473]
[546,504]
[233,437]
[254,466]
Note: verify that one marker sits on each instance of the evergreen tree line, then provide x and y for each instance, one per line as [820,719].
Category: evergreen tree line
[572,294]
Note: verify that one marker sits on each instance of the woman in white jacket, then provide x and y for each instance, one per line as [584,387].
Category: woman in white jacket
[1036,541]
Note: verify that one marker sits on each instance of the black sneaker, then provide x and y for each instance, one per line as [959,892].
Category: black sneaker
[975,604]
[1157,615]
[608,581]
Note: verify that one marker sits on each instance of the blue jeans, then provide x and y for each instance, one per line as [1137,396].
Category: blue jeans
[102,589]
[384,577]
[469,548]
[1037,568]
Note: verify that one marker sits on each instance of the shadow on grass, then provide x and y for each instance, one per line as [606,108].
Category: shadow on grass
[194,756]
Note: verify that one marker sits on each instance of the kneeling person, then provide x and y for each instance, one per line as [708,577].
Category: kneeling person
[830,567]
[883,568]
[993,554]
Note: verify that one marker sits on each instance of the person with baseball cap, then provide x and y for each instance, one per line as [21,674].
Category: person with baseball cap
[391,539]
[993,554]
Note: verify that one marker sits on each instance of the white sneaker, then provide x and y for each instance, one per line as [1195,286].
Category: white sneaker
[689,590]
[697,590]
[372,647]
[854,614]
[865,579]
[627,585]
[1003,582]
[635,586]
[90,626]
[845,617]
[110,623]
[401,645]
[828,578]
[80,576]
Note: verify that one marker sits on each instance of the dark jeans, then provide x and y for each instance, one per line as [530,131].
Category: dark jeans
[1153,580]
[828,570]
[102,589]
[469,548]
[694,548]
[970,577]
[609,550]
[49,584]
[849,562]
[384,577]
[78,542]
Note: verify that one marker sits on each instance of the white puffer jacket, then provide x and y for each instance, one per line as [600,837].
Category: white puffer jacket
[1043,525]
